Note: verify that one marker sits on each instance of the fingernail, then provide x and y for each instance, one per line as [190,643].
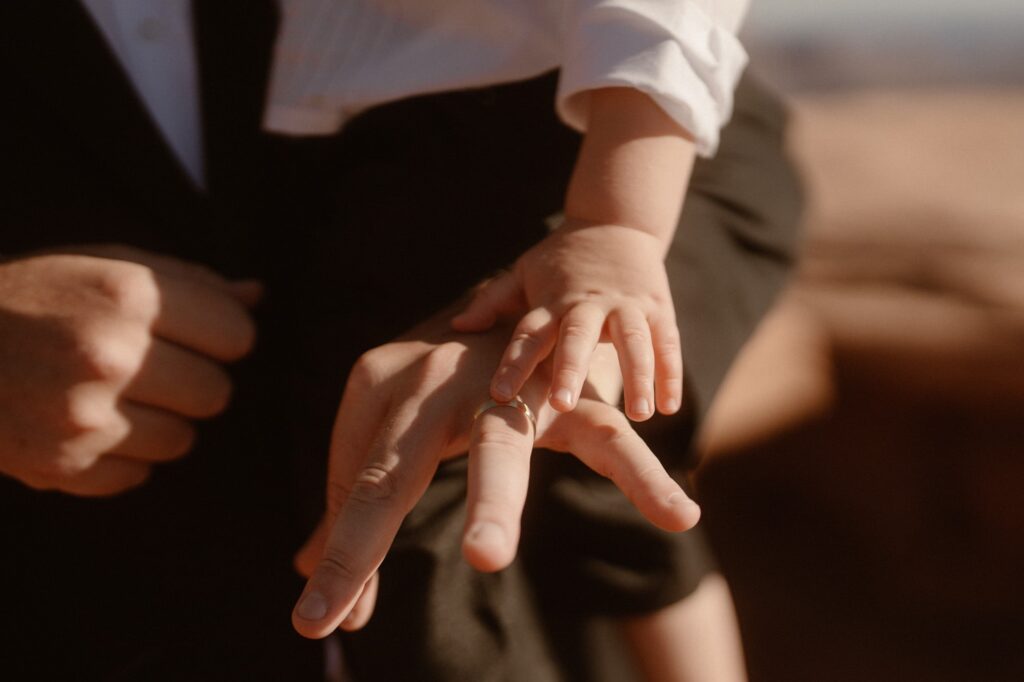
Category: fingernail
[504,390]
[487,534]
[312,607]
[681,499]
[641,406]
[563,396]
[671,405]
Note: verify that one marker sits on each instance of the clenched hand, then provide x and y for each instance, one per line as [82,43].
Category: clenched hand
[107,354]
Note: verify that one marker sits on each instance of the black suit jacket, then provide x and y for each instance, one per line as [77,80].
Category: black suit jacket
[189,576]
[357,236]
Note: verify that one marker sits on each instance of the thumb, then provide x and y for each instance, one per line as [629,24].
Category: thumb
[500,295]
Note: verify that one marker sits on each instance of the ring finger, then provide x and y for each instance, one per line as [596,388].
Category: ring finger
[499,471]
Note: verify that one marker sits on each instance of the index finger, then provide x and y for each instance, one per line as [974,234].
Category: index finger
[382,492]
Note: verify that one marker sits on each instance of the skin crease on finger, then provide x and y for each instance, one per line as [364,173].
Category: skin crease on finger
[588,431]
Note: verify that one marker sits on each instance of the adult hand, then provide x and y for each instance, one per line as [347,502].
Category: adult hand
[106,355]
[410,404]
[583,281]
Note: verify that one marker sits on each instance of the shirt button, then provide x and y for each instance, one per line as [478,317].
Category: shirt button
[152,30]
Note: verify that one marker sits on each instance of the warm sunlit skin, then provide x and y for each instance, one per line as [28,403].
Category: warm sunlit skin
[601,275]
[407,406]
[109,353]
[693,640]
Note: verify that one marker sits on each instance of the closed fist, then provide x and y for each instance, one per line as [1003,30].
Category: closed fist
[107,354]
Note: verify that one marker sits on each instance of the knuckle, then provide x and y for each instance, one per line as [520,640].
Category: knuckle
[89,431]
[338,563]
[612,433]
[650,476]
[659,300]
[614,468]
[640,379]
[369,368]
[363,374]
[109,354]
[669,345]
[635,335]
[670,359]
[668,336]
[441,361]
[130,289]
[375,484]
[575,331]
[69,463]
[527,339]
[500,438]
[671,376]
[670,366]
[87,413]
[567,375]
[487,295]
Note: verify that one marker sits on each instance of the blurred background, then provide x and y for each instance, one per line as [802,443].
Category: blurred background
[814,44]
[864,464]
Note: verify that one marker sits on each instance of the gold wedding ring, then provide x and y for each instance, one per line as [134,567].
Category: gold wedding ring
[516,402]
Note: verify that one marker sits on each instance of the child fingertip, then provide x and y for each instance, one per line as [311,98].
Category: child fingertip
[561,400]
[502,390]
[669,406]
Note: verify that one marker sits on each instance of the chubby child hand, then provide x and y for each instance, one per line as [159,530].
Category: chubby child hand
[584,283]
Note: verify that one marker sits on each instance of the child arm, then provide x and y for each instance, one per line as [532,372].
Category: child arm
[633,167]
[602,271]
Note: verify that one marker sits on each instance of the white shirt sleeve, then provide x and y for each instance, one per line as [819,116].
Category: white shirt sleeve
[335,59]
[684,54]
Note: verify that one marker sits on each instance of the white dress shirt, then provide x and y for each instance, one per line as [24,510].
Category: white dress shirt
[153,41]
[336,58]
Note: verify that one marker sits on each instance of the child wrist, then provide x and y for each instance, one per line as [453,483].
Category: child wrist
[574,223]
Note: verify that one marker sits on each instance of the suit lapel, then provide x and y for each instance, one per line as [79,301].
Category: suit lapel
[58,57]
[52,53]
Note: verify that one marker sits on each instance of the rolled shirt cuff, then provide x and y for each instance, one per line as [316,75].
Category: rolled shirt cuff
[672,51]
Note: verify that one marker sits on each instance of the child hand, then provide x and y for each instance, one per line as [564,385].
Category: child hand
[584,283]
